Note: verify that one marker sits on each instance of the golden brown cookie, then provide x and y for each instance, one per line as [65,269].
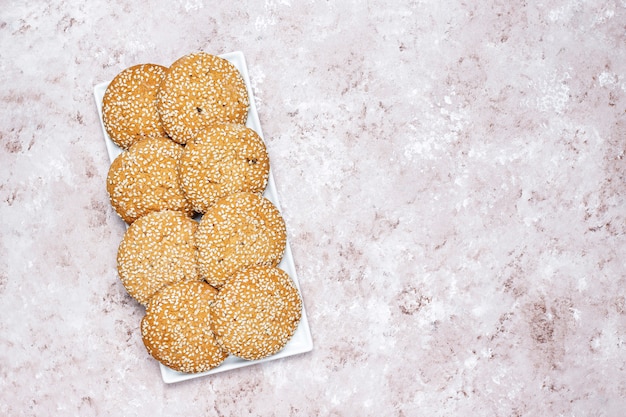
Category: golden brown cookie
[157,249]
[144,179]
[198,90]
[176,329]
[223,159]
[238,231]
[256,313]
[129,111]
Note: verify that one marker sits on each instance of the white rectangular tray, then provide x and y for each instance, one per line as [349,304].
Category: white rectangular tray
[301,341]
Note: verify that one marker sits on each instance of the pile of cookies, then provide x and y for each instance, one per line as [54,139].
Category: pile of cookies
[203,244]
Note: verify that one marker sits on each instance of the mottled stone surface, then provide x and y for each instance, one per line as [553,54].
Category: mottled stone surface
[452,176]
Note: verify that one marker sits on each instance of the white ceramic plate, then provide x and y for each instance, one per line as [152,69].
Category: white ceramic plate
[301,341]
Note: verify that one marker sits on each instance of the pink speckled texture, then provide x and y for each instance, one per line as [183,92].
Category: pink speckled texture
[453,179]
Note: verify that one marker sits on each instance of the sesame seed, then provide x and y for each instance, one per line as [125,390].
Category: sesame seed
[256,313]
[238,231]
[145,178]
[217,162]
[129,111]
[176,329]
[200,81]
[156,250]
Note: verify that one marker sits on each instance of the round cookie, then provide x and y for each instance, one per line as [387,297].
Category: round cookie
[157,249]
[129,111]
[144,179]
[238,231]
[198,90]
[256,313]
[176,329]
[223,159]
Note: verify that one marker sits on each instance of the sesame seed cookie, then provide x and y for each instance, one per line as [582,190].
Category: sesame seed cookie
[144,179]
[238,231]
[256,313]
[198,90]
[157,249]
[223,159]
[176,329]
[129,111]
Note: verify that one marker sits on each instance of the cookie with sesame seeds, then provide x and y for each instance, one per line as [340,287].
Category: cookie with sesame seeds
[198,90]
[129,111]
[144,179]
[157,249]
[238,231]
[256,312]
[176,329]
[223,159]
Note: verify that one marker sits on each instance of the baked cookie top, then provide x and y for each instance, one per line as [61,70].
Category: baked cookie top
[198,90]
[238,231]
[176,329]
[157,249]
[256,312]
[223,159]
[144,179]
[129,110]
